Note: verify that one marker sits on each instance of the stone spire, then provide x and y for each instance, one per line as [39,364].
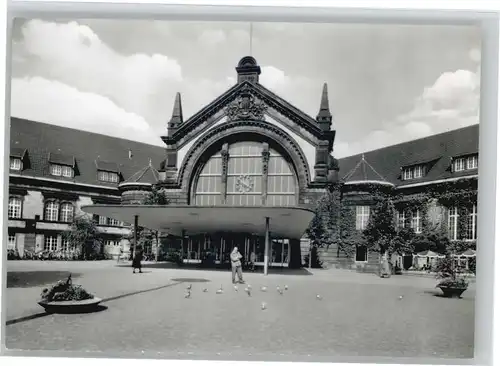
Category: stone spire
[177,118]
[248,70]
[324,117]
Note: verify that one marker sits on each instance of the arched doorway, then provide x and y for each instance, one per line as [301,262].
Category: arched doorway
[245,173]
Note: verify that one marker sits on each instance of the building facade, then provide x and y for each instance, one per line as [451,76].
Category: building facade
[248,147]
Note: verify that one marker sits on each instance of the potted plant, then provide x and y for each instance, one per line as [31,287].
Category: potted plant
[66,297]
[451,280]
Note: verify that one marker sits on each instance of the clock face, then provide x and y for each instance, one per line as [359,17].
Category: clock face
[244,183]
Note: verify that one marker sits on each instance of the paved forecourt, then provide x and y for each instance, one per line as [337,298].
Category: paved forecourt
[355,314]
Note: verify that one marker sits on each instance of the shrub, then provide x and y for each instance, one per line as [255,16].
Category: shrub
[65,291]
[449,274]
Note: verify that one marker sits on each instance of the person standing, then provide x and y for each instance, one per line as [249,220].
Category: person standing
[136,262]
[236,265]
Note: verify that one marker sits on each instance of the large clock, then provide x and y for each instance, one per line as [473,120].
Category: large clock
[244,183]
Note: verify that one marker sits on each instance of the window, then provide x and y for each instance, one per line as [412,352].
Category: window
[465,163]
[413,172]
[416,222]
[15,206]
[61,170]
[15,163]
[362,216]
[67,212]
[472,162]
[112,243]
[55,169]
[113,222]
[407,173]
[361,253]
[52,211]
[418,171]
[245,177]
[50,243]
[65,245]
[67,171]
[104,176]
[103,220]
[401,219]
[471,229]
[11,244]
[453,223]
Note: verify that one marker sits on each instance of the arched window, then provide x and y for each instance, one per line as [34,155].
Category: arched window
[67,212]
[52,211]
[247,181]
[15,208]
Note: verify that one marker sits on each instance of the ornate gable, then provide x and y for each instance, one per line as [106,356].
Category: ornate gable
[249,101]
[244,101]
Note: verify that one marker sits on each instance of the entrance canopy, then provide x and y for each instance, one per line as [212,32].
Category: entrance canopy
[284,222]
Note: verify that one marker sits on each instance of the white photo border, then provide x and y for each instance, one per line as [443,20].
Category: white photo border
[482,13]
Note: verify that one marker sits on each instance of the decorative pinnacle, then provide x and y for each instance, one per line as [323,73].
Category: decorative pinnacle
[177,117]
[324,108]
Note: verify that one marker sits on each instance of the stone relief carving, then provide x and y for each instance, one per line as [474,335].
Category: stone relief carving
[245,107]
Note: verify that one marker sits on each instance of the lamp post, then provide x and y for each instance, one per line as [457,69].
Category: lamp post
[266,247]
[136,227]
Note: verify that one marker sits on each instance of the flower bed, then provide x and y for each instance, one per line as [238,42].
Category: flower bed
[66,297]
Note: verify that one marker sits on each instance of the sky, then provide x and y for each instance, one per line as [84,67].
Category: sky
[387,83]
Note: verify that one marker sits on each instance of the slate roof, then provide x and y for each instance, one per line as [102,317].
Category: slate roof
[437,150]
[148,174]
[86,148]
[363,172]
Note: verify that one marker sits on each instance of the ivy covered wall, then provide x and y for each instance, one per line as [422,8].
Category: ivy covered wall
[337,239]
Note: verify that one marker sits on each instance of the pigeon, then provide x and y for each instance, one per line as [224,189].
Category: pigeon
[219,291]
[286,287]
[263,288]
[205,290]
[189,287]
[401,297]
[318,297]
[263,306]
[188,294]
[280,291]
[247,290]
[235,288]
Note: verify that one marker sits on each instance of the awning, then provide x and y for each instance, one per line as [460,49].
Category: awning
[429,254]
[284,222]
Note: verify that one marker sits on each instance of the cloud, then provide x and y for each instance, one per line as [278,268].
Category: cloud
[53,102]
[74,55]
[451,102]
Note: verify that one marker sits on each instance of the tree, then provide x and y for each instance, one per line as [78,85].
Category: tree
[83,236]
[145,236]
[323,229]
[380,234]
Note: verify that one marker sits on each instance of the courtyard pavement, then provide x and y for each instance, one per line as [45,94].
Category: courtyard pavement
[356,315]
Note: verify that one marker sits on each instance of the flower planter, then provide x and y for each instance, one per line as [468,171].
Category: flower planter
[452,291]
[68,307]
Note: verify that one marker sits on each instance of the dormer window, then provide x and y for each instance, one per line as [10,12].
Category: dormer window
[107,171]
[62,165]
[413,172]
[107,177]
[15,163]
[465,163]
[61,170]
[18,156]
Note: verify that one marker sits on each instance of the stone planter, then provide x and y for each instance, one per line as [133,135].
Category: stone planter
[452,291]
[71,307]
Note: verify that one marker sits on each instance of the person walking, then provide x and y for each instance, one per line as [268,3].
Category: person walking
[252,261]
[236,265]
[136,262]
